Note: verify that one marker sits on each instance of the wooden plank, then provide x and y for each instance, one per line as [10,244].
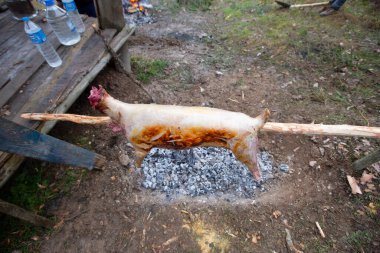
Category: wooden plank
[14,46]
[41,77]
[367,160]
[8,28]
[22,61]
[30,143]
[5,17]
[45,74]
[4,14]
[9,167]
[58,86]
[14,161]
[26,67]
[18,212]
[110,14]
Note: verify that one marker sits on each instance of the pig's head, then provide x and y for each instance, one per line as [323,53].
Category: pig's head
[98,97]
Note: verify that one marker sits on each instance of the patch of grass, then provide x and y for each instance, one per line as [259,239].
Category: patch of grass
[147,69]
[359,240]
[16,235]
[319,246]
[365,92]
[196,5]
[319,95]
[83,142]
[30,188]
[340,97]
[336,119]
[172,5]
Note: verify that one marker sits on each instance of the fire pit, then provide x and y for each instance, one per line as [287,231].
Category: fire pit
[136,12]
[202,171]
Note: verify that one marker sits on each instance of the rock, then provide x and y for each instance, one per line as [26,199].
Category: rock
[124,160]
[218,73]
[315,153]
[322,151]
[284,167]
[315,85]
[312,163]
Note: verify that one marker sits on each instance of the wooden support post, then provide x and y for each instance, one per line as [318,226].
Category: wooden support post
[367,160]
[125,59]
[110,14]
[18,212]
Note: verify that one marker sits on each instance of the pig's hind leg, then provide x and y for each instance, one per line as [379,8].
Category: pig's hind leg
[245,149]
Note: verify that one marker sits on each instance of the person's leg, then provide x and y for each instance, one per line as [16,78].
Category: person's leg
[337,4]
[333,8]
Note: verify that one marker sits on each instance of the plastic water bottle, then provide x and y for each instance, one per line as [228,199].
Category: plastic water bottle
[38,38]
[73,13]
[61,24]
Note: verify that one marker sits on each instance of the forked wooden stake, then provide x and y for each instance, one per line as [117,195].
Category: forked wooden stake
[272,127]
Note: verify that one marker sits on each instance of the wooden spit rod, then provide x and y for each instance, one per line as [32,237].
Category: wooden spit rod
[271,127]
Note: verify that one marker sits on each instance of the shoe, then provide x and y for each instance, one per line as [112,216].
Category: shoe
[325,8]
[328,12]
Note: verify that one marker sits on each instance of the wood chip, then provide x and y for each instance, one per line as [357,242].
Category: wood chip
[366,178]
[170,241]
[320,230]
[276,214]
[354,185]
[233,100]
[289,243]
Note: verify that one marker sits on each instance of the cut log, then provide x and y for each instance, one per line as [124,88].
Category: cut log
[18,212]
[367,160]
[271,127]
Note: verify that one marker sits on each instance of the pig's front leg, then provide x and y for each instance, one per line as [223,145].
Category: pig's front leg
[140,154]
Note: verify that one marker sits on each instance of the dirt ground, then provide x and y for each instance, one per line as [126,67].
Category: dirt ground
[109,211]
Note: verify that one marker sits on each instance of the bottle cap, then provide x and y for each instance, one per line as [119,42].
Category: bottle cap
[25,19]
[49,2]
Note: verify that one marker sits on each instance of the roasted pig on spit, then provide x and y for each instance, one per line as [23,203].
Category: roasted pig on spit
[179,127]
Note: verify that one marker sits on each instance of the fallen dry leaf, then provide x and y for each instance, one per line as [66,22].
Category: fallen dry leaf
[113,178]
[254,239]
[376,166]
[35,238]
[366,177]
[170,241]
[354,185]
[371,187]
[276,214]
[372,208]
[41,186]
[360,212]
